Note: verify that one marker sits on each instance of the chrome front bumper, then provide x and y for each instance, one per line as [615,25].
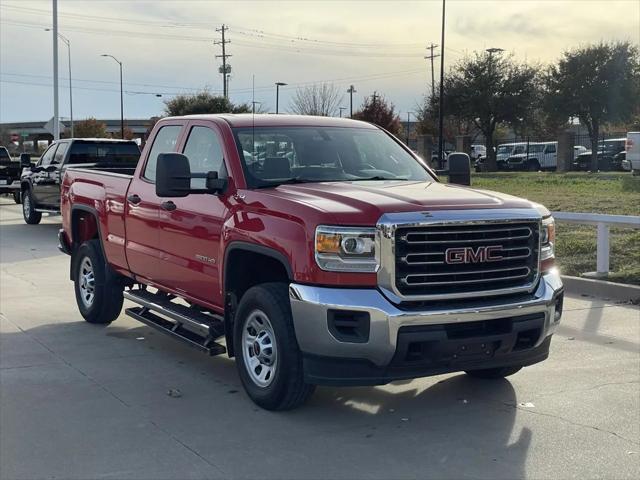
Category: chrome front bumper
[310,306]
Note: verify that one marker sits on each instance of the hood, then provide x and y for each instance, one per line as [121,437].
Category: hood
[360,203]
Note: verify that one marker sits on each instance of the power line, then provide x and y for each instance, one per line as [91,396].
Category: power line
[226,69]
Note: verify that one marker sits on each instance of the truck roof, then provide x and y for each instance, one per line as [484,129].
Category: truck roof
[269,120]
[101,140]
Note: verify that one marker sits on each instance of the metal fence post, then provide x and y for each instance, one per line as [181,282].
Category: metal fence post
[602,250]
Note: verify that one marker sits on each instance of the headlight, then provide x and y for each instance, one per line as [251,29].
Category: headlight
[346,249]
[547,243]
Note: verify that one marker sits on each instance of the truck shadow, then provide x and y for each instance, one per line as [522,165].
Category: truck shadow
[441,427]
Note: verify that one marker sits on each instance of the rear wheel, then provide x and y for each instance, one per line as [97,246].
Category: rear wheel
[98,291]
[492,373]
[533,165]
[29,208]
[267,354]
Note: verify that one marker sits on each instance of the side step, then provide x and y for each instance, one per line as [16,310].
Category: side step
[193,327]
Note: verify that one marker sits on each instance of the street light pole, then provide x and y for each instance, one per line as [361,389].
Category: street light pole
[56,115]
[121,97]
[278,85]
[441,103]
[408,125]
[68,44]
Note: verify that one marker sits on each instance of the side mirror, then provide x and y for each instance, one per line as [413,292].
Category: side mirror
[173,175]
[25,160]
[51,169]
[459,168]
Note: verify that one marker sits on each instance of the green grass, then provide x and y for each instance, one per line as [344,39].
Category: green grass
[612,193]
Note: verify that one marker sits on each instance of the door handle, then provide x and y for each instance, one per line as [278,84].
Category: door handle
[135,199]
[168,205]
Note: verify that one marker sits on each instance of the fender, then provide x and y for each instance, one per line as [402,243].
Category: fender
[74,243]
[231,302]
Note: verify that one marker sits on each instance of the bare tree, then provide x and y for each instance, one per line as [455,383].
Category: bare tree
[318,99]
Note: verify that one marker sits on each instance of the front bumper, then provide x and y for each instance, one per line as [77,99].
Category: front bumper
[411,342]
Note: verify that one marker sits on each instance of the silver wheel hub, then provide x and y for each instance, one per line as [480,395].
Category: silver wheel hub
[26,204]
[259,348]
[87,282]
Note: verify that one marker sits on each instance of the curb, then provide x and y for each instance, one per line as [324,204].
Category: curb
[601,288]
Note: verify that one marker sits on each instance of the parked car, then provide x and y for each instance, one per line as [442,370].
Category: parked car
[607,151]
[536,156]
[312,263]
[40,183]
[632,148]
[477,151]
[579,150]
[9,175]
[504,151]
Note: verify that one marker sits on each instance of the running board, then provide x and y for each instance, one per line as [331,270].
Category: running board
[195,328]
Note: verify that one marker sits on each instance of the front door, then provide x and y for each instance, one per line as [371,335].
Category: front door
[41,179]
[190,227]
[141,219]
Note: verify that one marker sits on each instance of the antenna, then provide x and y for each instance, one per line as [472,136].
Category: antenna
[253,113]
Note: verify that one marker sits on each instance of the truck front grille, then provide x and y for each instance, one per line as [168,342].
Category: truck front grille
[466,258]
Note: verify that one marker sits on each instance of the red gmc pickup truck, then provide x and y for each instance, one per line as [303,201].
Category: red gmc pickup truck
[317,251]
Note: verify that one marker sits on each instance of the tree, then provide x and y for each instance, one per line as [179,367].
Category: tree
[489,90]
[202,103]
[318,99]
[599,84]
[376,109]
[90,128]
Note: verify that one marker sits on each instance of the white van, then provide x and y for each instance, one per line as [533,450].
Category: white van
[633,151]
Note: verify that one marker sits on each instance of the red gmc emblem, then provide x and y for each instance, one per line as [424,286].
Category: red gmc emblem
[473,255]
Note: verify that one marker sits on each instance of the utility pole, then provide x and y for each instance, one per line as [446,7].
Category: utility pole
[431,57]
[225,68]
[373,98]
[408,126]
[351,91]
[56,115]
[441,102]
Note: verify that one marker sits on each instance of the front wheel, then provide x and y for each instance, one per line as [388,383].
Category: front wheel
[493,373]
[16,196]
[98,291]
[268,358]
[29,208]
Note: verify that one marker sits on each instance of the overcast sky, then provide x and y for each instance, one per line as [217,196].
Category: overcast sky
[167,47]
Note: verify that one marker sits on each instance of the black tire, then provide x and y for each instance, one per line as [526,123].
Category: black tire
[533,166]
[29,208]
[287,389]
[16,196]
[493,373]
[106,303]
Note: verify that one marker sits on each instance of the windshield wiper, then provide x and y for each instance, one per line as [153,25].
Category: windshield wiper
[378,177]
[288,181]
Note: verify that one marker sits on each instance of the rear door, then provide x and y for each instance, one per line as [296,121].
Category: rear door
[550,156]
[190,227]
[141,219]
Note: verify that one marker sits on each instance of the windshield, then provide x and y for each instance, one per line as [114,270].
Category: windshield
[4,156]
[275,155]
[536,148]
[612,145]
[104,152]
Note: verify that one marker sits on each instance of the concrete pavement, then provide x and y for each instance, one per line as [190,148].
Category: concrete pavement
[78,401]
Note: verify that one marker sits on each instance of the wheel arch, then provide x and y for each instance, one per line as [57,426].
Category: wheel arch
[84,226]
[268,264]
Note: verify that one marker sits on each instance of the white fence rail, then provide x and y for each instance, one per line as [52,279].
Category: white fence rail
[602,222]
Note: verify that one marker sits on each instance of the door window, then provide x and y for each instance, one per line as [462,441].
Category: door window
[551,149]
[60,153]
[204,153]
[165,142]
[45,160]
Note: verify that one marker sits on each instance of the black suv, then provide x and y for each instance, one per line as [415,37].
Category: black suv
[40,183]
[9,175]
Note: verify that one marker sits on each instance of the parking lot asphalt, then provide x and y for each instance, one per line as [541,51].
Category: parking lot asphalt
[80,401]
